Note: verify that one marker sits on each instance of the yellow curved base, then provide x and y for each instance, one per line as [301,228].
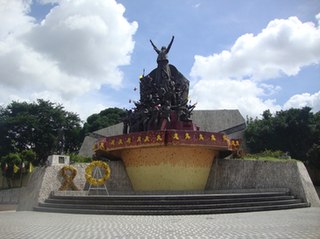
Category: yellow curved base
[168,167]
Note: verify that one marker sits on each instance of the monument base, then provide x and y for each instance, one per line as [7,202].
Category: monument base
[168,168]
[230,175]
[166,160]
[58,160]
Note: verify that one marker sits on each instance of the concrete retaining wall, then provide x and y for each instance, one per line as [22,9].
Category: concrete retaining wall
[228,174]
[10,196]
[15,182]
[47,179]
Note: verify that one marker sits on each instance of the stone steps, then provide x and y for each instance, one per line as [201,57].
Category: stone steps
[205,203]
[112,201]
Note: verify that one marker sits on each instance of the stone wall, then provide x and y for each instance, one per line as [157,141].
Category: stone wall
[47,179]
[9,196]
[29,195]
[228,174]
[16,182]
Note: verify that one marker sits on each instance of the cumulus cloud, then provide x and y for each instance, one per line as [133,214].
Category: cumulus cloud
[305,99]
[13,18]
[244,95]
[77,48]
[238,74]
[48,1]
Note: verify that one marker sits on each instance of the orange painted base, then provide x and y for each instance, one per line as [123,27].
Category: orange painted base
[168,167]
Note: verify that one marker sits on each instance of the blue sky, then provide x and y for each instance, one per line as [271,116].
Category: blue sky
[249,55]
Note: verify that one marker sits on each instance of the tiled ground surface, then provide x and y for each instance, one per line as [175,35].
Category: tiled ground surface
[294,224]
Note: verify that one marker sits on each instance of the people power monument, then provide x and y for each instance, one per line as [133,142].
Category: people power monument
[161,148]
[163,98]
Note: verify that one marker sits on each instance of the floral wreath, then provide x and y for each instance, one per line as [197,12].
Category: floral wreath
[68,179]
[89,170]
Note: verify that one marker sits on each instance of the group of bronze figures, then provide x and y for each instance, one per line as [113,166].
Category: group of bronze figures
[163,97]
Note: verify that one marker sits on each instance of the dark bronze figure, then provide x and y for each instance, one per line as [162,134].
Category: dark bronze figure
[162,54]
[163,97]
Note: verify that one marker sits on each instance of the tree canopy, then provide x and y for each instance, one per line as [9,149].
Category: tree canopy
[46,128]
[296,131]
[105,118]
[42,126]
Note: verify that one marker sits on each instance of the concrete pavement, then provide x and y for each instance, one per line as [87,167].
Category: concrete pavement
[294,224]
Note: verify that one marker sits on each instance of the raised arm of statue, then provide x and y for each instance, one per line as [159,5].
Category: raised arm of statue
[155,48]
[169,46]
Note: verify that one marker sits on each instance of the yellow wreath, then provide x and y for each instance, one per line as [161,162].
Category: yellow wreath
[68,179]
[97,181]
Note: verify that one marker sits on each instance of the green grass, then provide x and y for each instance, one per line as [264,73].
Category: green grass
[269,155]
[264,158]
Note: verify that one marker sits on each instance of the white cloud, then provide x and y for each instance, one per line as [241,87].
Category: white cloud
[305,99]
[94,102]
[48,1]
[197,5]
[234,78]
[77,48]
[83,36]
[14,19]
[244,95]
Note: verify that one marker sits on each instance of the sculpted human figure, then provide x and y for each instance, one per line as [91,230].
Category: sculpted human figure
[164,81]
[163,96]
[163,71]
[162,54]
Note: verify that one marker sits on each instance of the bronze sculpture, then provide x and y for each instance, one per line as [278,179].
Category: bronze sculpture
[163,98]
[162,54]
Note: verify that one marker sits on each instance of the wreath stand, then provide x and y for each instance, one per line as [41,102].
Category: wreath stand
[98,174]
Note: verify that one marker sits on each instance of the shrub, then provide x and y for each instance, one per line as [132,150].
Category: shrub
[269,155]
[76,158]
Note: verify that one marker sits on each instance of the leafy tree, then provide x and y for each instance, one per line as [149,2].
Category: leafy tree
[8,162]
[42,126]
[14,165]
[313,154]
[12,159]
[105,118]
[76,158]
[28,156]
[296,131]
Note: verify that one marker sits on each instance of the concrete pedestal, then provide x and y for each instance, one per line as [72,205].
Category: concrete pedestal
[58,160]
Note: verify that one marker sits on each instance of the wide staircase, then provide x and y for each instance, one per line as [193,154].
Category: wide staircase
[171,204]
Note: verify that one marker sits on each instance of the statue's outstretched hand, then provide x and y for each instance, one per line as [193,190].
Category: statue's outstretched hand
[154,47]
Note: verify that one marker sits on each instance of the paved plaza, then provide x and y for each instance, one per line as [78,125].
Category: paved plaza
[295,223]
